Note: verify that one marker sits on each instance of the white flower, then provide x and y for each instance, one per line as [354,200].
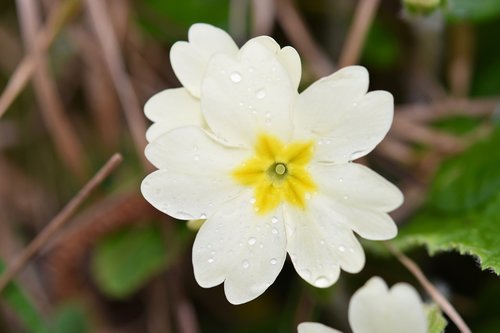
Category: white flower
[271,170]
[174,108]
[376,309]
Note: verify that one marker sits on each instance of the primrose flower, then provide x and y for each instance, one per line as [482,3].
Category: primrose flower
[270,170]
[376,309]
[178,107]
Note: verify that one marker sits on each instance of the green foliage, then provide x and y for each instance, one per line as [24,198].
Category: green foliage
[381,49]
[19,302]
[125,261]
[472,10]
[70,318]
[435,319]
[463,210]
[173,17]
[471,179]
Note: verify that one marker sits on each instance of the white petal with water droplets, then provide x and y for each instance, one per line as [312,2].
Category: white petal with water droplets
[355,184]
[189,59]
[315,328]
[319,245]
[190,182]
[375,309]
[243,97]
[245,250]
[347,122]
[170,109]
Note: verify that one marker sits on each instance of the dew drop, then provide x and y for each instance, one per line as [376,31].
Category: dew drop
[321,282]
[273,261]
[203,216]
[245,264]
[196,157]
[183,216]
[355,104]
[274,220]
[346,197]
[261,93]
[341,180]
[261,246]
[268,115]
[322,242]
[235,77]
[210,260]
[274,231]
[209,246]
[342,248]
[252,241]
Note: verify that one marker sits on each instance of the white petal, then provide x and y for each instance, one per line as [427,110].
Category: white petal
[315,328]
[354,184]
[243,97]
[347,123]
[189,60]
[194,176]
[170,109]
[288,57]
[357,197]
[319,245]
[242,248]
[374,309]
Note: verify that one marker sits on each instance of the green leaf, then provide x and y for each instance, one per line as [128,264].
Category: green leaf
[463,209]
[70,318]
[125,261]
[435,319]
[19,302]
[470,180]
[473,10]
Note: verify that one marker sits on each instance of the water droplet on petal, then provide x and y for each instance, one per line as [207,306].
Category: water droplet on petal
[245,264]
[210,260]
[196,157]
[341,248]
[273,261]
[341,180]
[261,93]
[321,282]
[322,242]
[274,231]
[346,197]
[203,216]
[252,241]
[274,220]
[183,216]
[235,77]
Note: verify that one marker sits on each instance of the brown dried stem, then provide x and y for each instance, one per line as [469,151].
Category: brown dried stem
[429,287]
[57,222]
[112,55]
[59,126]
[44,39]
[363,17]
[296,30]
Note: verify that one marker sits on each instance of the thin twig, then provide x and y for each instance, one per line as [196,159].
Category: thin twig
[112,55]
[447,108]
[363,17]
[296,30]
[57,222]
[429,287]
[59,126]
[44,39]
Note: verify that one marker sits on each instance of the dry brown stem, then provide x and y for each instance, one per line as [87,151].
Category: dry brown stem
[108,42]
[57,222]
[429,287]
[59,126]
[44,38]
[363,17]
[298,33]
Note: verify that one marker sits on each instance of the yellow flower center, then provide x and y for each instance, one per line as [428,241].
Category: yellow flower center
[278,172]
